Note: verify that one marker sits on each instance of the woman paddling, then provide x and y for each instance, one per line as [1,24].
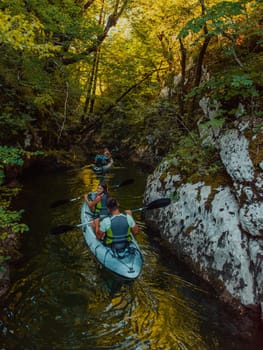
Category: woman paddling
[96,201]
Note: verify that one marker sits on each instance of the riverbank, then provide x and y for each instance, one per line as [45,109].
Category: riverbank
[10,241]
[10,249]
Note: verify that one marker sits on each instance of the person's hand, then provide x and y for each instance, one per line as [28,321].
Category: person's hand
[129,212]
[85,196]
[97,199]
[100,235]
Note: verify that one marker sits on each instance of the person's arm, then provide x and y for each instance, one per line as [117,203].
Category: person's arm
[99,233]
[108,154]
[90,203]
[101,228]
[131,222]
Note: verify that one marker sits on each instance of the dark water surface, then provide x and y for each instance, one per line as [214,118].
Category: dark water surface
[62,299]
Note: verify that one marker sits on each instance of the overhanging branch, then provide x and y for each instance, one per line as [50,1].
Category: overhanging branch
[111,22]
[134,86]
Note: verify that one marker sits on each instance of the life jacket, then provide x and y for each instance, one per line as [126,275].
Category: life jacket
[101,160]
[119,233]
[101,207]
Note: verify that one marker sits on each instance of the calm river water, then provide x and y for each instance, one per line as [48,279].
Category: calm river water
[62,299]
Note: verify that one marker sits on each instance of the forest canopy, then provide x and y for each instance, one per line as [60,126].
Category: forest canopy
[73,71]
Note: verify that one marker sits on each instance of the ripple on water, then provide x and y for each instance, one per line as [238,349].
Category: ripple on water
[61,298]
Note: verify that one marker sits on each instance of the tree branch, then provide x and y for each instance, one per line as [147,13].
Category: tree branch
[233,44]
[88,4]
[145,77]
[111,22]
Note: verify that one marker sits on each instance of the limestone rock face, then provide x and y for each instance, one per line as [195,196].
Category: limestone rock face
[217,230]
[234,155]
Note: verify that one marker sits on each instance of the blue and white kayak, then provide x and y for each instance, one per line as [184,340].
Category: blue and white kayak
[102,168]
[126,263]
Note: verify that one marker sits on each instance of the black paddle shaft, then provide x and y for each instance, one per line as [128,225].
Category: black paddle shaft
[65,228]
[158,203]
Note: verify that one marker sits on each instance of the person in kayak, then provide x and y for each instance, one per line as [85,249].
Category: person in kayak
[103,158]
[96,201]
[116,229]
[107,153]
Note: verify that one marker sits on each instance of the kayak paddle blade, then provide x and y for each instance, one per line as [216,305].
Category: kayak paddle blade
[158,203]
[61,229]
[59,202]
[63,201]
[124,183]
[127,182]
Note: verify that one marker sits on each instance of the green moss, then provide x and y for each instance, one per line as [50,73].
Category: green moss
[194,162]
[256,148]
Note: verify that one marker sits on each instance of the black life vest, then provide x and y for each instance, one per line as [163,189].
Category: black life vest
[119,233]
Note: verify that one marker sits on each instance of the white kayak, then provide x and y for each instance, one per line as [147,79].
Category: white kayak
[126,263]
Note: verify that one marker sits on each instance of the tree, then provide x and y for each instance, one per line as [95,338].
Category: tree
[227,22]
[50,47]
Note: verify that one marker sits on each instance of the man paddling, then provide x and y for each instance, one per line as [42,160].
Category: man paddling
[116,230]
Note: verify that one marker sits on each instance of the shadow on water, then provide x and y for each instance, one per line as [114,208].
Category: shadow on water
[61,298]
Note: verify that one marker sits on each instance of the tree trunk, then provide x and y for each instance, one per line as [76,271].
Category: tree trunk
[198,72]
[182,83]
[95,77]
[91,91]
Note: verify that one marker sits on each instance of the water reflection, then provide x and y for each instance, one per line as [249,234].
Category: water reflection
[62,298]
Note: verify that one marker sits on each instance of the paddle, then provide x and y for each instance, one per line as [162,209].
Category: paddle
[65,228]
[123,183]
[64,201]
[157,203]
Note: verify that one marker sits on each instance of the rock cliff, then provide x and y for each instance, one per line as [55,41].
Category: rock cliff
[217,226]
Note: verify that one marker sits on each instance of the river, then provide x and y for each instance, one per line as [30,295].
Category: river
[62,299]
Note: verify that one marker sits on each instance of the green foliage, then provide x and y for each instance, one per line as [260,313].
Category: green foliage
[233,28]
[229,88]
[10,221]
[6,195]
[11,126]
[217,123]
[43,101]
[194,160]
[48,57]
[13,156]
[9,155]
[42,44]
[241,81]
[219,17]
[20,33]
